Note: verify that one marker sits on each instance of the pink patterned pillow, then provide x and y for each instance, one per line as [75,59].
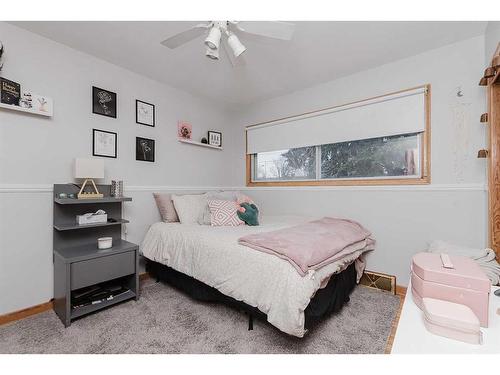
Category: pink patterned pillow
[223,213]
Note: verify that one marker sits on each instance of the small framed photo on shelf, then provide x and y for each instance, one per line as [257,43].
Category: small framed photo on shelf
[215,138]
[104,143]
[144,149]
[103,102]
[184,130]
[144,113]
[10,92]
[41,103]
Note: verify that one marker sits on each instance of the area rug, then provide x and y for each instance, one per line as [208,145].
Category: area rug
[165,320]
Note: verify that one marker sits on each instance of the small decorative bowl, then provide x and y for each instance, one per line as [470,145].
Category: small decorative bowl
[104,243]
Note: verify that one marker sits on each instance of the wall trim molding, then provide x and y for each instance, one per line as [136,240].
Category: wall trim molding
[25,188]
[176,188]
[24,313]
[46,188]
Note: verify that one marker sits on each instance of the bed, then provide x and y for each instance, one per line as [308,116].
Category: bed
[210,264]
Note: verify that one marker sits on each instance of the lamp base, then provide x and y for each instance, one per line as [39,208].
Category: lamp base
[89,195]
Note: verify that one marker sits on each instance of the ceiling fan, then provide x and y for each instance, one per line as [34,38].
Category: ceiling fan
[223,35]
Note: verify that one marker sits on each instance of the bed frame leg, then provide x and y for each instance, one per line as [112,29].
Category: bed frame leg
[250,322]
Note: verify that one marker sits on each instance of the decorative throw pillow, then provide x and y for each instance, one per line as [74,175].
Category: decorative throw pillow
[166,208]
[189,207]
[223,213]
[228,195]
[249,213]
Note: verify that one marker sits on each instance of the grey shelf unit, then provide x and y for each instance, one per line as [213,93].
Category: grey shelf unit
[78,263]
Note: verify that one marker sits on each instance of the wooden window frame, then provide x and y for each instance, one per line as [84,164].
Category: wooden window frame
[425,155]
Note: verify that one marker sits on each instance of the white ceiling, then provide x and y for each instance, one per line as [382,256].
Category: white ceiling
[318,52]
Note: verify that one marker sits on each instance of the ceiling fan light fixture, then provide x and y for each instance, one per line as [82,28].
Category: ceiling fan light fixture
[212,54]
[225,35]
[235,44]
[213,39]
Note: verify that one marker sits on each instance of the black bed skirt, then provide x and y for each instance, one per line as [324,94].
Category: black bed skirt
[327,301]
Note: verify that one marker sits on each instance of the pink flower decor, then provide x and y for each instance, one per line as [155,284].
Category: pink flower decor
[184,129]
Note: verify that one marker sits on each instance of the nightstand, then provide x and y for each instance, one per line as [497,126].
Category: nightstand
[79,264]
[413,338]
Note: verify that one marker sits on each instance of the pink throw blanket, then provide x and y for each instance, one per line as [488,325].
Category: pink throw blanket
[314,244]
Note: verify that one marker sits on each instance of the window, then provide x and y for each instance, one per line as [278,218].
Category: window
[383,157]
[395,156]
[346,145]
[292,164]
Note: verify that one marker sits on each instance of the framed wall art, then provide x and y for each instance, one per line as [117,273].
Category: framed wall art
[144,149]
[104,143]
[10,92]
[103,102]
[144,113]
[184,130]
[215,138]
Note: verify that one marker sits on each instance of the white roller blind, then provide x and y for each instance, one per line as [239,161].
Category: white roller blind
[387,115]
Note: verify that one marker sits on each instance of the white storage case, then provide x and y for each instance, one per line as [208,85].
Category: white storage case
[91,219]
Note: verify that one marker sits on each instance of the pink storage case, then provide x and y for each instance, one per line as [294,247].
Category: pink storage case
[464,284]
[451,320]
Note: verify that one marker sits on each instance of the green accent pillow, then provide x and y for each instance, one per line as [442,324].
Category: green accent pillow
[251,214]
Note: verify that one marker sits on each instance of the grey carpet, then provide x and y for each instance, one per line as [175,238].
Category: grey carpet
[165,320]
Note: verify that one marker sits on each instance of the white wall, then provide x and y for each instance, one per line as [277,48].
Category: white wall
[37,152]
[492,38]
[403,219]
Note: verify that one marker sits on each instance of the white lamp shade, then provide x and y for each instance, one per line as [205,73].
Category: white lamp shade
[235,44]
[89,168]
[212,54]
[213,38]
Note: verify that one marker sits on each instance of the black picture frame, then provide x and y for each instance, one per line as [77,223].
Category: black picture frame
[10,91]
[210,140]
[104,102]
[95,152]
[137,102]
[142,153]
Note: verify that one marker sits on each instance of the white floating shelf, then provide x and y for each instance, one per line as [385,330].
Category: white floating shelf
[188,141]
[25,110]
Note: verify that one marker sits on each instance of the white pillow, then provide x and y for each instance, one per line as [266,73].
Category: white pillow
[189,207]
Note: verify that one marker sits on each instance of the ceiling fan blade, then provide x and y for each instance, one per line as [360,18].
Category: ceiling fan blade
[235,61]
[185,36]
[269,29]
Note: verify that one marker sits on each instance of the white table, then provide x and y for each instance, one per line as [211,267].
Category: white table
[413,338]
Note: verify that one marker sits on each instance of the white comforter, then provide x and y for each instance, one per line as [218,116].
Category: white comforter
[213,256]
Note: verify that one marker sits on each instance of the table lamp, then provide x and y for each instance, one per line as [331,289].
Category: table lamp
[89,169]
